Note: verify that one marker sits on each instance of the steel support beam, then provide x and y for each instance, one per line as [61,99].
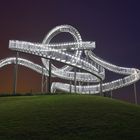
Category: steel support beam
[70,85]
[135,94]
[100,87]
[49,78]
[15,74]
[75,82]
[111,94]
[42,80]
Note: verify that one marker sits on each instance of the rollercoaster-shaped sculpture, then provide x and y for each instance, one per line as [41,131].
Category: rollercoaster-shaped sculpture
[81,65]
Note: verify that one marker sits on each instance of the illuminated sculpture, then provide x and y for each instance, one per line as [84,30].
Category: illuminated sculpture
[92,69]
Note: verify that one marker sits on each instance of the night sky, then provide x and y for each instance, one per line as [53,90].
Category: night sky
[113,24]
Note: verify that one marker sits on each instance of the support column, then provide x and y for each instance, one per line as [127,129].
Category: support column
[15,74]
[100,87]
[75,80]
[70,86]
[135,94]
[49,78]
[88,87]
[44,84]
[46,81]
[111,94]
[42,81]
[79,84]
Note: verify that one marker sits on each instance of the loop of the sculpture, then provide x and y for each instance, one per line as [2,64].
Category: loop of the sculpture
[61,29]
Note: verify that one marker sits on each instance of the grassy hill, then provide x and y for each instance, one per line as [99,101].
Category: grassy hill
[68,117]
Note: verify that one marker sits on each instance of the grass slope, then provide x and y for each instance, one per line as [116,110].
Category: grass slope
[67,117]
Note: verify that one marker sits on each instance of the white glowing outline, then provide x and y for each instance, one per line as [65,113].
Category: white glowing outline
[94,66]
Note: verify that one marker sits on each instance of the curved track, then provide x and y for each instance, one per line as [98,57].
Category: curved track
[77,54]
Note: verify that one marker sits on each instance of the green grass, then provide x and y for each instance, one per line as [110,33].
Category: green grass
[68,117]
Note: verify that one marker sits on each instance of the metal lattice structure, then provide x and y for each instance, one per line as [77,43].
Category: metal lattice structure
[81,65]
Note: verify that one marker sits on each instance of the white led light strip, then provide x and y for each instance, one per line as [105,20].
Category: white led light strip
[74,54]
